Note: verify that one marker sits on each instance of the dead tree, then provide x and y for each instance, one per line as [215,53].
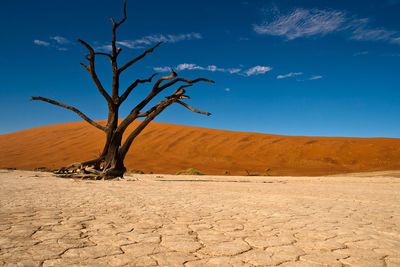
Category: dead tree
[110,163]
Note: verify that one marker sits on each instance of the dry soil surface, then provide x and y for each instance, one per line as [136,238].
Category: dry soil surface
[165,220]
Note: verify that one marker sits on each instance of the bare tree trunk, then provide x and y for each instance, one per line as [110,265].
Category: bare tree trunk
[113,161]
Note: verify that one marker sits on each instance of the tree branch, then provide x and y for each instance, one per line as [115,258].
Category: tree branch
[115,52]
[135,111]
[133,115]
[186,81]
[124,18]
[192,108]
[83,116]
[104,54]
[150,115]
[157,109]
[92,71]
[147,113]
[181,89]
[132,86]
[127,65]
[164,78]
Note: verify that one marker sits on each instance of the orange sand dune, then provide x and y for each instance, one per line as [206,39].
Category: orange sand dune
[168,148]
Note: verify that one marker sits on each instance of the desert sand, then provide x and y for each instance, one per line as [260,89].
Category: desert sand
[168,148]
[167,220]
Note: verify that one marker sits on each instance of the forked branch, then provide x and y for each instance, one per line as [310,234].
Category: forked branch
[133,85]
[127,65]
[114,29]
[156,90]
[92,71]
[156,86]
[168,84]
[83,116]
[151,114]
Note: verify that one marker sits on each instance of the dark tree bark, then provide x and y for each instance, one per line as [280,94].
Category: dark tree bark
[110,163]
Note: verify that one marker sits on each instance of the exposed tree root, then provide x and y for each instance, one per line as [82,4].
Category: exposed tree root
[85,170]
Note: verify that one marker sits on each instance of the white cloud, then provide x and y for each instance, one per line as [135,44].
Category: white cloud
[395,40]
[62,49]
[257,70]
[303,23]
[363,33]
[186,66]
[162,69]
[316,77]
[155,38]
[104,48]
[317,22]
[291,74]
[60,39]
[227,89]
[42,43]
[233,71]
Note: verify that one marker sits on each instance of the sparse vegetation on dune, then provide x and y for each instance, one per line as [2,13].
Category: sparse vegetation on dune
[135,171]
[45,169]
[190,171]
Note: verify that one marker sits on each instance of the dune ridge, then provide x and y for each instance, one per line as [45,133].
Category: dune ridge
[168,148]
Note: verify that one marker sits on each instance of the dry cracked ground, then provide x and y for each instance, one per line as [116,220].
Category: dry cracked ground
[199,221]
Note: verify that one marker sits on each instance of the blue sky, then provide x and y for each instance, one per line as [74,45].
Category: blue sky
[314,68]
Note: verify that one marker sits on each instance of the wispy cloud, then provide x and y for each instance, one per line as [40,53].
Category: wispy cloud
[289,75]
[187,66]
[396,40]
[55,42]
[257,70]
[107,47]
[162,69]
[302,22]
[40,42]
[155,38]
[227,89]
[60,39]
[317,22]
[360,30]
[316,77]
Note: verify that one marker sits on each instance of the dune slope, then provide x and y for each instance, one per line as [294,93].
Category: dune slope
[168,148]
